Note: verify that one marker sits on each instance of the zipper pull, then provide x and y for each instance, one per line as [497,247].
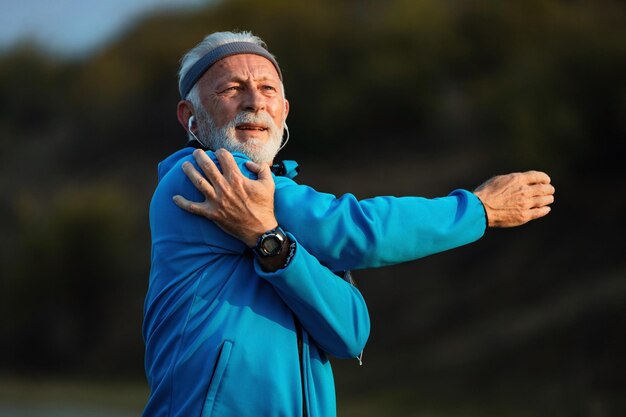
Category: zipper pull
[360,358]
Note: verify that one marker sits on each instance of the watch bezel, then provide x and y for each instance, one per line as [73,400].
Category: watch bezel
[275,234]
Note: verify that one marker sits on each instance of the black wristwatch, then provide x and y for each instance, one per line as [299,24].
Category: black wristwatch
[270,243]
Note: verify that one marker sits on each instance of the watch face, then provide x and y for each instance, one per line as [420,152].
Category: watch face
[271,244]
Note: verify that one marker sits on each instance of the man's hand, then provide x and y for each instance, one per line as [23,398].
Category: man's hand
[514,199]
[240,206]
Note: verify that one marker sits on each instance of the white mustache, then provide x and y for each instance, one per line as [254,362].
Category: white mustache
[262,118]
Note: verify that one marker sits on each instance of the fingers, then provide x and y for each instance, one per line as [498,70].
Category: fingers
[263,171]
[228,164]
[536,177]
[541,201]
[541,195]
[199,181]
[539,212]
[253,167]
[542,189]
[185,204]
[207,166]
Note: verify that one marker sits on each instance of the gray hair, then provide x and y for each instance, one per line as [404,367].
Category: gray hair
[209,43]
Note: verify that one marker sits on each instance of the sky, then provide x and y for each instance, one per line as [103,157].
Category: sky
[75,27]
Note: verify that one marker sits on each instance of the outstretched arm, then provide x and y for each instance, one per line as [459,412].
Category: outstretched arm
[345,233]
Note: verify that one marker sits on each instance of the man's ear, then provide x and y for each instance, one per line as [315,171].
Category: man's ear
[184,111]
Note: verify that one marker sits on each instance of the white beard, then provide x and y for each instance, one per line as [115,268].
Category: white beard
[225,137]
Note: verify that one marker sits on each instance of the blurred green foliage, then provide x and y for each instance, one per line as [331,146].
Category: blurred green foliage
[72,280]
[395,97]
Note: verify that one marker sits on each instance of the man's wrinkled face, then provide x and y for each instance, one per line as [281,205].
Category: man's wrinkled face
[243,106]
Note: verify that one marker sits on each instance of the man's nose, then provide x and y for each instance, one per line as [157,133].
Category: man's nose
[253,100]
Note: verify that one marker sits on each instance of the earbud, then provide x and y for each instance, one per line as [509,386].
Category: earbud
[190,122]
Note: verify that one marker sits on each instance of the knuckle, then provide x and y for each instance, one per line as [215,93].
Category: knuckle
[236,181]
[206,165]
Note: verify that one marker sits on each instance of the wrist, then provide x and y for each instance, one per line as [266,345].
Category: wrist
[277,254]
[271,243]
[484,206]
[252,240]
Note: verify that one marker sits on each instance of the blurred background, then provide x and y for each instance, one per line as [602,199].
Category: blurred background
[396,97]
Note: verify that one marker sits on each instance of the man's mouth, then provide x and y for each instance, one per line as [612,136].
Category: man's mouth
[253,127]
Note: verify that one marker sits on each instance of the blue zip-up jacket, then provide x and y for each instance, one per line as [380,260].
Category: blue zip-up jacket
[222,335]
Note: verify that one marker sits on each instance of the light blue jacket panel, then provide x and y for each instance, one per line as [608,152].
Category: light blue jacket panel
[220,333]
[346,233]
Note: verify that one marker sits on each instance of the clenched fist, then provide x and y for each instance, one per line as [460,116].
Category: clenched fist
[514,199]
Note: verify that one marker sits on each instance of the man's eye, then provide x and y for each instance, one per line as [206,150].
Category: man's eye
[231,89]
[269,88]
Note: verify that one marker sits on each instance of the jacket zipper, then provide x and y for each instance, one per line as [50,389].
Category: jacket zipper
[301,360]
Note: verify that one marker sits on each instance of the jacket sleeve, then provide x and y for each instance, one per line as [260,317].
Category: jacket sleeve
[331,310]
[346,233]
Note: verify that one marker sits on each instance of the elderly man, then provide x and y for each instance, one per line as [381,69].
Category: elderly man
[246,299]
